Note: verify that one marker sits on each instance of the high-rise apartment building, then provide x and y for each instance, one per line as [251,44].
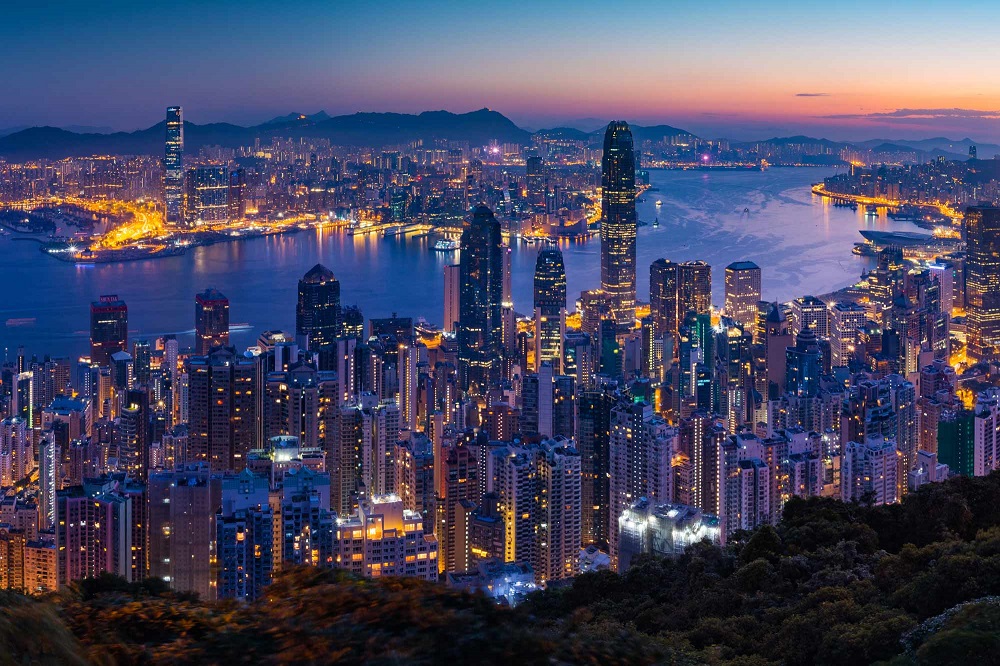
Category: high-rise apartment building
[222,408]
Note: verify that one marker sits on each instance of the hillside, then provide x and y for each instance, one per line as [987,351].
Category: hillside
[359,129]
[832,583]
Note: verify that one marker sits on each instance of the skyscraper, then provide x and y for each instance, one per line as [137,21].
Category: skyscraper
[206,195]
[211,321]
[694,288]
[663,296]
[452,290]
[742,292]
[550,308]
[108,328]
[982,282]
[618,222]
[173,166]
[222,409]
[318,315]
[480,323]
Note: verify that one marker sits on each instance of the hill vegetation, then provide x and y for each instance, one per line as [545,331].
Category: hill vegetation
[832,583]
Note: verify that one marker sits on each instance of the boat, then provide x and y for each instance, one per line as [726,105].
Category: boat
[656,222]
[659,203]
[447,245]
[21,321]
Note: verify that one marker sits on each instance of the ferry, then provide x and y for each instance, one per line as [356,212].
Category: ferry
[447,245]
[659,203]
[21,321]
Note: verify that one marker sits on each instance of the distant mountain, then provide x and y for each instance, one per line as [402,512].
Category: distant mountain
[319,116]
[942,145]
[798,139]
[359,129]
[640,133]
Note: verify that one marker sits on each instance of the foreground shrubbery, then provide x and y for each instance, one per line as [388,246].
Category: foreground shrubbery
[831,584]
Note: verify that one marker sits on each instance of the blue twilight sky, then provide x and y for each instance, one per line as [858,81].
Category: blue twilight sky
[843,69]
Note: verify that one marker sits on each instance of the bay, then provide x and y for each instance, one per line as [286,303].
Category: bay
[801,242]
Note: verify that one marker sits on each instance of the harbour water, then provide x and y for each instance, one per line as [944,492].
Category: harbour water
[802,243]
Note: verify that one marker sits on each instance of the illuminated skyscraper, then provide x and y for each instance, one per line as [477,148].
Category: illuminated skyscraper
[108,329]
[663,296]
[452,289]
[550,308]
[694,288]
[982,282]
[222,406]
[173,166]
[211,321]
[480,302]
[206,197]
[318,314]
[618,222]
[742,292]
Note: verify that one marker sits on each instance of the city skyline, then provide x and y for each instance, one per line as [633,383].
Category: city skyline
[729,72]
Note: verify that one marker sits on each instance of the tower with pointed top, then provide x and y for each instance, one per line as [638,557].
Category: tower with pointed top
[618,222]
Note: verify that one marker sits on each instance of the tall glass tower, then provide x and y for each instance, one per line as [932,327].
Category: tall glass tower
[173,166]
[550,308]
[318,316]
[982,283]
[618,223]
[480,323]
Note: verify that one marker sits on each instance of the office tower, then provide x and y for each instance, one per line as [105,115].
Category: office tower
[211,321]
[535,180]
[206,195]
[663,296]
[618,223]
[108,328]
[222,407]
[733,373]
[958,430]
[173,167]
[742,292]
[803,364]
[846,320]
[550,308]
[236,196]
[182,505]
[868,471]
[452,296]
[318,318]
[354,322]
[777,340]
[480,323]
[640,450]
[386,539]
[982,282]
[142,360]
[694,288]
[593,431]
[663,530]
[810,312]
[399,329]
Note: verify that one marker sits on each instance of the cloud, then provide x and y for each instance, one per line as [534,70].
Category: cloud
[812,94]
[920,114]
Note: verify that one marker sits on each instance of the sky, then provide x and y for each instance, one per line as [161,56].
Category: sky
[739,69]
